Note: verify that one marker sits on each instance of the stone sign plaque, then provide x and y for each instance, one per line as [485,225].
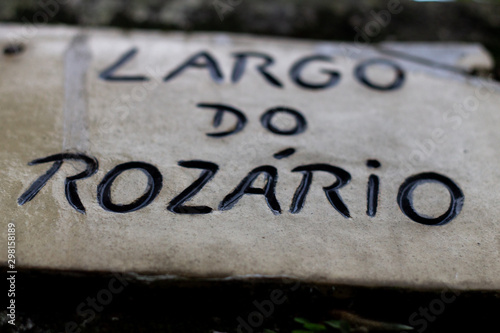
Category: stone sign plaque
[216,156]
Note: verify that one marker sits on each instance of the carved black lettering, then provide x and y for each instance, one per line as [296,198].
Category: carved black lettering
[298,67]
[240,66]
[284,153]
[372,195]
[70,188]
[300,121]
[373,189]
[245,187]
[332,191]
[360,73]
[199,60]
[220,109]
[155,183]
[405,198]
[108,73]
[373,164]
[209,171]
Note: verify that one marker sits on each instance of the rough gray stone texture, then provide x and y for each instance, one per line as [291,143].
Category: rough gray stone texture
[347,126]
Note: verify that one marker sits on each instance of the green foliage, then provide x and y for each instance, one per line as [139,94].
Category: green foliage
[340,325]
[308,327]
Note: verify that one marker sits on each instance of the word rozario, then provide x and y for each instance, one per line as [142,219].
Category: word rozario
[245,187]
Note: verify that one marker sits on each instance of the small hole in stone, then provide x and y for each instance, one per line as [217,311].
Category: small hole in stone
[13,49]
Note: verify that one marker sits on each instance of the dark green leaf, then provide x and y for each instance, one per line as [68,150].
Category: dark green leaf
[301,320]
[315,327]
[334,323]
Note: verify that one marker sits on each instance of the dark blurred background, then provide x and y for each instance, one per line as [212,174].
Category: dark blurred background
[469,21]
